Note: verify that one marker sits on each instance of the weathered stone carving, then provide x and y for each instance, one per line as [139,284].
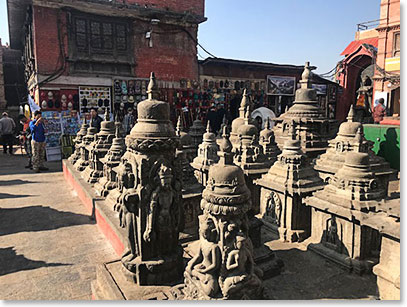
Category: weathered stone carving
[350,137]
[150,200]
[268,142]
[98,149]
[223,267]
[244,110]
[314,129]
[337,211]
[283,188]
[196,131]
[207,155]
[191,189]
[87,139]
[78,142]
[110,161]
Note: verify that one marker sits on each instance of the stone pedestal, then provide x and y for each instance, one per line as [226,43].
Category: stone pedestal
[110,161]
[223,267]
[78,143]
[350,137]
[98,149]
[196,132]
[150,203]
[314,129]
[283,190]
[207,155]
[83,161]
[337,212]
[267,141]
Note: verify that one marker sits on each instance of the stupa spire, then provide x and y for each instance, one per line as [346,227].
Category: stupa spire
[152,89]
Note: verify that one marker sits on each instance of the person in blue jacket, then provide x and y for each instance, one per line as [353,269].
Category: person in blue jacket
[38,143]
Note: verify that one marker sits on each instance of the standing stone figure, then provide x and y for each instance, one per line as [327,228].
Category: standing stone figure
[78,142]
[150,202]
[223,266]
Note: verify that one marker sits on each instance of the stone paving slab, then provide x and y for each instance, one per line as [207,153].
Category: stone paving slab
[49,246]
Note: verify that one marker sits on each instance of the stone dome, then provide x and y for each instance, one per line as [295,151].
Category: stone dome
[236,123]
[356,166]
[153,116]
[266,133]
[185,139]
[350,127]
[247,130]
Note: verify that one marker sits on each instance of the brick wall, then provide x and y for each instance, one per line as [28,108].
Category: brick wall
[172,57]
[195,6]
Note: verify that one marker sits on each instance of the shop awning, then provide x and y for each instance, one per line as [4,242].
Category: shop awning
[355,45]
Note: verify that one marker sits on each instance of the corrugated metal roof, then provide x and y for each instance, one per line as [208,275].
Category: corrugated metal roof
[355,45]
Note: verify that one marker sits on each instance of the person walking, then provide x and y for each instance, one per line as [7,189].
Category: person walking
[128,121]
[38,142]
[379,111]
[7,126]
[96,119]
[25,138]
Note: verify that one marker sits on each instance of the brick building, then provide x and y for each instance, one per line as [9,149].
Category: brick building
[3,102]
[94,44]
[387,73]
[371,66]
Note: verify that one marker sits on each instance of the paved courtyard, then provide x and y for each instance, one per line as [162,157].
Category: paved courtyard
[49,247]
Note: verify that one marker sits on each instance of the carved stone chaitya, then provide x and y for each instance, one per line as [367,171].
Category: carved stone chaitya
[314,129]
[98,149]
[244,110]
[268,142]
[223,267]
[350,137]
[191,189]
[87,139]
[207,155]
[196,131]
[110,161]
[283,188]
[150,203]
[78,142]
[337,211]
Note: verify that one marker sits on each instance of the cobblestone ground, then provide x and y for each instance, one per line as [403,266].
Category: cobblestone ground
[49,248]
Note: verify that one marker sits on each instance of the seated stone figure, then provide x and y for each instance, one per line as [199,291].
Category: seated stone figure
[240,270]
[205,265]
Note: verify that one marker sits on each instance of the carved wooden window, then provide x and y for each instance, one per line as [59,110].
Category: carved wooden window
[121,37]
[396,44]
[81,33]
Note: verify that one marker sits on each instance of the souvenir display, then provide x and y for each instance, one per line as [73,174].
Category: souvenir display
[70,122]
[52,127]
[94,97]
[128,92]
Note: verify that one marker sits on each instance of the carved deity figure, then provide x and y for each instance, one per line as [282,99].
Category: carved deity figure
[206,263]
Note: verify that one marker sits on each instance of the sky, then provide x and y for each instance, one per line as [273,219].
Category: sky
[275,31]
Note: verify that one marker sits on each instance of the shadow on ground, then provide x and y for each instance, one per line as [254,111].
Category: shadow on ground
[38,218]
[15,182]
[7,195]
[11,262]
[308,276]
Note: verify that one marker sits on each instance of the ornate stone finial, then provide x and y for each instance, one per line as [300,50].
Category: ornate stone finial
[179,126]
[84,120]
[107,114]
[351,114]
[225,156]
[245,100]
[246,117]
[267,124]
[307,75]
[152,89]
[208,127]
[286,109]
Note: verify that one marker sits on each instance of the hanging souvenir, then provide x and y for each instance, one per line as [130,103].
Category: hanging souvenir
[84,102]
[50,103]
[131,99]
[57,104]
[63,98]
[75,98]
[100,102]
[64,105]
[205,84]
[50,95]
[221,84]
[237,85]
[124,87]
[137,87]
[211,84]
[131,87]
[44,105]
[106,102]
[117,88]
[226,84]
[124,98]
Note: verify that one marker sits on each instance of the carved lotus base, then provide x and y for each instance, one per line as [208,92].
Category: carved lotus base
[104,186]
[91,175]
[250,289]
[81,164]
[164,271]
